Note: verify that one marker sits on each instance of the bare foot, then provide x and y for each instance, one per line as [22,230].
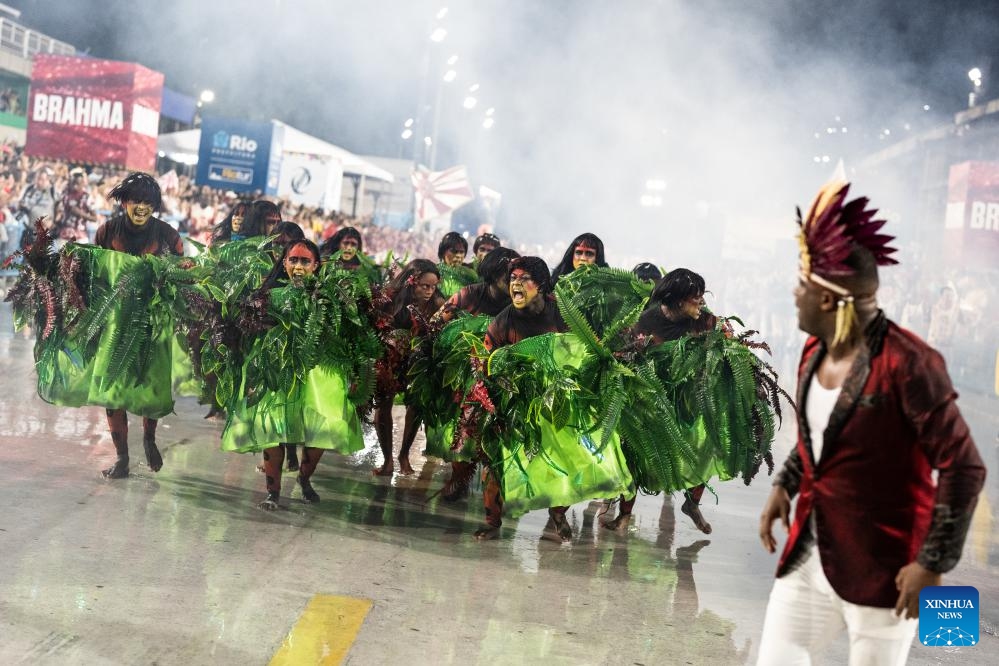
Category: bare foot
[691,509]
[560,529]
[290,457]
[309,493]
[405,467]
[487,533]
[119,470]
[153,457]
[619,524]
[271,503]
[385,470]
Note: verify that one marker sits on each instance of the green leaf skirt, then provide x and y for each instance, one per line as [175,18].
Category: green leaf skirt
[316,413]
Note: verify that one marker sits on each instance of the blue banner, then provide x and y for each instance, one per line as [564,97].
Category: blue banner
[236,155]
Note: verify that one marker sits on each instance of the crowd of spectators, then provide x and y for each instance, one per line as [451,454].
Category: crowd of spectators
[947,308]
[73,201]
[952,308]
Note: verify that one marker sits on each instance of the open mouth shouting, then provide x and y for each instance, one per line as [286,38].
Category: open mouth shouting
[523,290]
[138,212]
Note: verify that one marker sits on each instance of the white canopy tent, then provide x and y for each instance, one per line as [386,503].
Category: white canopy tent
[183,147]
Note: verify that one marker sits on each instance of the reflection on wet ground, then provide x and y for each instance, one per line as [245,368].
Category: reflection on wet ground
[181,567]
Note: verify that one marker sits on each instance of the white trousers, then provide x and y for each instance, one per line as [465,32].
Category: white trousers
[805,615]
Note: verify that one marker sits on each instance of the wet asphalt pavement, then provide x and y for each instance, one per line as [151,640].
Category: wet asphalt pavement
[180,567]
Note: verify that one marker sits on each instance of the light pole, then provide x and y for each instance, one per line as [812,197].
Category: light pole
[407,134]
[205,97]
[975,74]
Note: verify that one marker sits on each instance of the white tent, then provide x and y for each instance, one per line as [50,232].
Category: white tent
[183,147]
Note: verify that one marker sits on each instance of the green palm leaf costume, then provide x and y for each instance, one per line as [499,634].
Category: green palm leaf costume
[453,278]
[304,373]
[697,407]
[106,325]
[544,439]
[440,374]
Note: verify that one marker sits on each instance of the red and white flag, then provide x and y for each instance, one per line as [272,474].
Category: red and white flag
[440,192]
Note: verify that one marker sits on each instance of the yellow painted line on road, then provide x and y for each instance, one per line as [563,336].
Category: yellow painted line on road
[324,632]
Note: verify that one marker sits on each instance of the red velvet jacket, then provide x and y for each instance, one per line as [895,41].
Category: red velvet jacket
[875,503]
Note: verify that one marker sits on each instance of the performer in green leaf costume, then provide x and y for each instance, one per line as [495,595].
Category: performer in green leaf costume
[454,273]
[307,362]
[106,317]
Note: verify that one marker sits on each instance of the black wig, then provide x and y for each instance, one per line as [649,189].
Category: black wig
[284,233]
[401,286]
[496,264]
[223,230]
[587,239]
[138,187]
[647,272]
[537,269]
[277,276]
[678,285]
[332,245]
[257,215]
[487,238]
[452,241]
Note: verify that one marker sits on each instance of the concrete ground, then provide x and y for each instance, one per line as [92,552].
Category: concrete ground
[180,567]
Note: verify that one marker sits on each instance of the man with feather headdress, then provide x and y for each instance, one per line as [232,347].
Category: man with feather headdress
[876,417]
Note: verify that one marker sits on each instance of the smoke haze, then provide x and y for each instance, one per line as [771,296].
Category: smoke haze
[719,100]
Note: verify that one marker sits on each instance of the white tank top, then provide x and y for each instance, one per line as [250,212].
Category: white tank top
[818,407]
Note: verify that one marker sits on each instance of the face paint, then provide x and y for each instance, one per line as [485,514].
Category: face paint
[424,287]
[348,248]
[138,212]
[483,250]
[523,289]
[299,262]
[583,254]
[453,257]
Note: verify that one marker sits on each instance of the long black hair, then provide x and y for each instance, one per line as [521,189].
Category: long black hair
[496,264]
[284,233]
[257,214]
[401,287]
[452,241]
[278,276]
[588,239]
[677,286]
[223,230]
[332,245]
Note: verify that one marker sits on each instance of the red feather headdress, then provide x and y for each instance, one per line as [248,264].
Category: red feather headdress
[825,238]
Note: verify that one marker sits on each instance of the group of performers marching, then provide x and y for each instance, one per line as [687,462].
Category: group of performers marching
[585,382]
